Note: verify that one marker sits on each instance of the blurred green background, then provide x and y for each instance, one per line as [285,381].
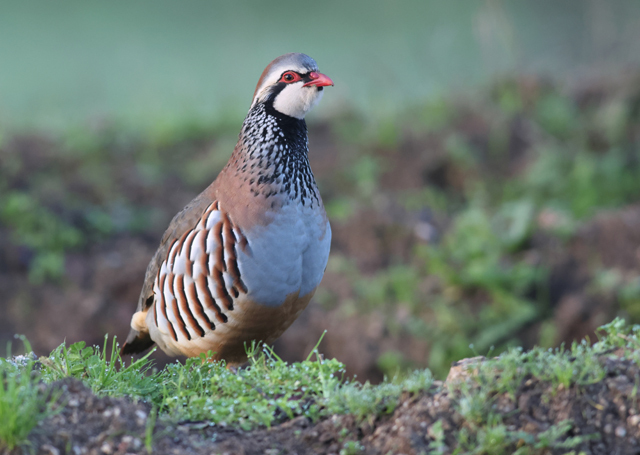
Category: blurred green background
[478,160]
[148,62]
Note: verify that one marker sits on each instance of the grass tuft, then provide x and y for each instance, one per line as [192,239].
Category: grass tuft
[105,374]
[22,403]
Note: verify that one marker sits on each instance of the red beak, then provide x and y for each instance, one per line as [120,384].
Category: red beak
[319,80]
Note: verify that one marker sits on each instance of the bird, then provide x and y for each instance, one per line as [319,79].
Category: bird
[243,259]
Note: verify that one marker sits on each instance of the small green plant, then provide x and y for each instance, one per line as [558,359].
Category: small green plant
[104,374]
[559,367]
[436,432]
[148,431]
[22,404]
[498,439]
[352,448]
[41,230]
[366,400]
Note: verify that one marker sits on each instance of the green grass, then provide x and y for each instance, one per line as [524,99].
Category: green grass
[497,439]
[22,403]
[269,390]
[262,394]
[101,369]
[266,392]
[485,431]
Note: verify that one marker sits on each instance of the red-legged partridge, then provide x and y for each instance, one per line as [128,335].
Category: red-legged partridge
[242,260]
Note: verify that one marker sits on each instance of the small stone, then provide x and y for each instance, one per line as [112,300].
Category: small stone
[621,432]
[325,437]
[463,369]
[141,416]
[106,448]
[73,403]
[50,450]
[608,428]
[634,420]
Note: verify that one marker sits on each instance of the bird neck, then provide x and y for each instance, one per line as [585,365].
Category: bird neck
[272,157]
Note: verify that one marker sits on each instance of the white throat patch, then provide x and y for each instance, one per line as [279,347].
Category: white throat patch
[295,100]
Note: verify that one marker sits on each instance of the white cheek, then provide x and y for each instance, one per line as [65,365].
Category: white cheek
[296,100]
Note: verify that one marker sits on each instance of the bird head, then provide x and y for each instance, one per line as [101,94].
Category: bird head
[292,84]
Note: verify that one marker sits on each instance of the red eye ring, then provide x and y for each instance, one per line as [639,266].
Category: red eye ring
[290,77]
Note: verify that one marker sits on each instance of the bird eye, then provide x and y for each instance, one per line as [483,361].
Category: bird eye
[290,76]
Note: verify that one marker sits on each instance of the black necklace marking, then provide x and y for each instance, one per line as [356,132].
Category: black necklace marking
[276,159]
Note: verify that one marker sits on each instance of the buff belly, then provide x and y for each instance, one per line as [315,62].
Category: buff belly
[250,322]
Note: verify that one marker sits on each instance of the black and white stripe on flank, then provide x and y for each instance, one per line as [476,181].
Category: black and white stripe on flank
[200,279]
